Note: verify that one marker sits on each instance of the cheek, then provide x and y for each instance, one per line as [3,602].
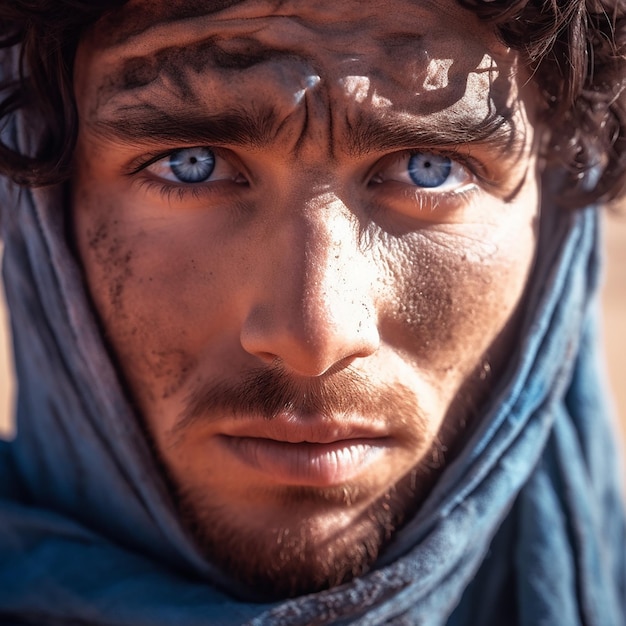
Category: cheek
[456,291]
[158,289]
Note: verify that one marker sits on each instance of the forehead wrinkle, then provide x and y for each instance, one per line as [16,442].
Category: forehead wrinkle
[176,64]
[358,131]
[183,28]
[176,69]
[137,18]
[136,59]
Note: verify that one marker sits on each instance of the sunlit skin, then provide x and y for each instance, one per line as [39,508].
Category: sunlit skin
[308,307]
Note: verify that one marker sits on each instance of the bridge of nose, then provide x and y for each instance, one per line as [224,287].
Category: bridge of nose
[314,304]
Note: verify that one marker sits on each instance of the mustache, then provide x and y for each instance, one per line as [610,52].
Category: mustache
[269,392]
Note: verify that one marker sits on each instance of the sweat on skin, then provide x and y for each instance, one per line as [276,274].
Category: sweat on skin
[307,331]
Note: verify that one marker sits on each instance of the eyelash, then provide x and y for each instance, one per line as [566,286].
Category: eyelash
[171,191]
[430,202]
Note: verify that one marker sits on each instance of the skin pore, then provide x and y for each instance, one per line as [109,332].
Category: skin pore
[307,228]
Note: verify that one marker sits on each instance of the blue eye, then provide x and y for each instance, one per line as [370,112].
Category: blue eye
[198,166]
[192,165]
[429,170]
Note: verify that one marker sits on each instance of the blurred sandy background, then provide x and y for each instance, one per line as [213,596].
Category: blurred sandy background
[614,301]
[614,324]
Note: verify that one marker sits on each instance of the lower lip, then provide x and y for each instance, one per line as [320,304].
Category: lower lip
[306,464]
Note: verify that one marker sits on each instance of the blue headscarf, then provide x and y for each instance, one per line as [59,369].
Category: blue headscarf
[525,527]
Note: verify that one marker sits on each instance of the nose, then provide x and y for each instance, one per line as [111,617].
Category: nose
[313,307]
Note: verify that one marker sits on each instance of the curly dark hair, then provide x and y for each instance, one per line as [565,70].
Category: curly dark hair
[575,49]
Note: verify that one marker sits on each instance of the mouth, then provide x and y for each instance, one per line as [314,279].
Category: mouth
[306,463]
[319,455]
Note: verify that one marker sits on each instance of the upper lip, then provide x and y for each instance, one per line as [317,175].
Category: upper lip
[310,429]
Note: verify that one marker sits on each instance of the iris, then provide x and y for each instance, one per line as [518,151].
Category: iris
[192,165]
[429,170]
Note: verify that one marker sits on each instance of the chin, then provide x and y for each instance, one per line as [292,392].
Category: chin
[299,540]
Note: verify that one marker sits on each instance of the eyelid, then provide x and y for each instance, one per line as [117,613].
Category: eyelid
[146,160]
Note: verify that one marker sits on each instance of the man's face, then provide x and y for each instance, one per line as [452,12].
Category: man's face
[306,228]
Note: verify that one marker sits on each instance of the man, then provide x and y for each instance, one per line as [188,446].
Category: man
[302,296]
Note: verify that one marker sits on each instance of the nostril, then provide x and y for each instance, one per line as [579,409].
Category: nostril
[267,357]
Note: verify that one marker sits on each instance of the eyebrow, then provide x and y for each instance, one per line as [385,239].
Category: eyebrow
[146,124]
[365,134]
[373,134]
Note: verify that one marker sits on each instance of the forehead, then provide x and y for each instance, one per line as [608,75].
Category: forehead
[340,37]
[343,61]
[348,17]
[140,17]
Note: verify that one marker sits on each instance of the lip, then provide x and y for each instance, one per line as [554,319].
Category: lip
[306,450]
[315,429]
[306,463]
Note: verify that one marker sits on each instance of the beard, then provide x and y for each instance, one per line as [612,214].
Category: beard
[326,538]
[284,540]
